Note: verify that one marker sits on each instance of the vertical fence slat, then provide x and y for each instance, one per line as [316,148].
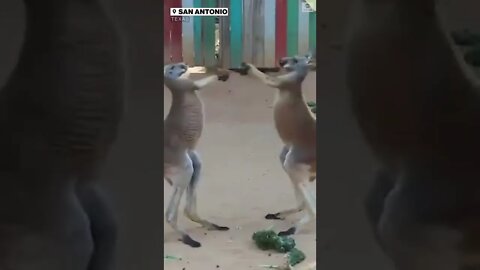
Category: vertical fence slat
[197,37]
[292,27]
[280,30]
[269,33]
[312,35]
[188,46]
[208,35]
[176,36]
[248,15]
[224,54]
[258,28]
[167,27]
[303,29]
[236,30]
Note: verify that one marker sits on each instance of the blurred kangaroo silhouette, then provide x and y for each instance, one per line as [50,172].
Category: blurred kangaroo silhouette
[418,107]
[59,114]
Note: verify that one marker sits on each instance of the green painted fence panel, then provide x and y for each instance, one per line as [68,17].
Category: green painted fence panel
[236,33]
[292,27]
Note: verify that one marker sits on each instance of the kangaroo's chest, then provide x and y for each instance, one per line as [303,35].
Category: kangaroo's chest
[294,122]
[68,89]
[185,122]
[398,79]
[192,124]
[91,97]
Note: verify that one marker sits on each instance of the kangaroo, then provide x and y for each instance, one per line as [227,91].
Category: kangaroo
[296,127]
[182,130]
[418,108]
[59,114]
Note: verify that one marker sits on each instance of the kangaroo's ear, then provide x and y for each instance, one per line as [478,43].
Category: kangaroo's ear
[308,56]
[311,55]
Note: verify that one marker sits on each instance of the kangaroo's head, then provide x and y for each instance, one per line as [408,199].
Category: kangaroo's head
[300,65]
[177,78]
[175,71]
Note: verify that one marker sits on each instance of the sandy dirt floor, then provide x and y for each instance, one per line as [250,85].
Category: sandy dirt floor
[242,180]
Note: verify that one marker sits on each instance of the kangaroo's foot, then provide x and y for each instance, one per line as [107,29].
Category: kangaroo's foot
[180,179]
[283,214]
[299,175]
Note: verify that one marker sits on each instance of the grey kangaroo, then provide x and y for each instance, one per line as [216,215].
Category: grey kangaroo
[182,129]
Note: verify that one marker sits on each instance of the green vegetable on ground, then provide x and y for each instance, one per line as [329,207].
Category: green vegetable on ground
[277,267]
[284,244]
[295,256]
[270,240]
[170,257]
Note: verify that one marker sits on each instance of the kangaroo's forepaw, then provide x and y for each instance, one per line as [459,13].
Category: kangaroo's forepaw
[215,227]
[187,240]
[223,75]
[290,231]
[274,216]
[244,68]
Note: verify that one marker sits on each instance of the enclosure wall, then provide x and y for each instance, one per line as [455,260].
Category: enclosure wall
[256,31]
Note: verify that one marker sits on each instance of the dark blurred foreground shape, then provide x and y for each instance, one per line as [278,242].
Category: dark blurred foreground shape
[417,104]
[133,172]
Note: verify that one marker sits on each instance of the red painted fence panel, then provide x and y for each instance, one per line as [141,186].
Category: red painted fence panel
[280,30]
[172,33]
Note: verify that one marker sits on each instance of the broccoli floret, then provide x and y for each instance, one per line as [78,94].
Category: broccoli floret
[295,256]
[265,239]
[284,244]
[268,239]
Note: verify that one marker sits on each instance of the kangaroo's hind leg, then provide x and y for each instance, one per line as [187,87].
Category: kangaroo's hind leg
[299,173]
[298,195]
[102,225]
[180,177]
[191,206]
[411,238]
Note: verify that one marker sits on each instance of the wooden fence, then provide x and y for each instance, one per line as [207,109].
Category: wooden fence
[256,31]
